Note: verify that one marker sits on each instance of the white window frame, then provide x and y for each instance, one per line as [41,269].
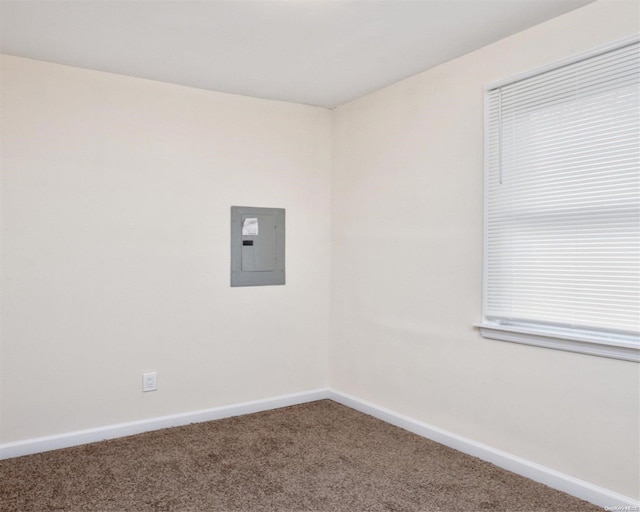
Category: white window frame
[616,347]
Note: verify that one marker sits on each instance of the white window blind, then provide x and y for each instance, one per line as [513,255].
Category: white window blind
[562,201]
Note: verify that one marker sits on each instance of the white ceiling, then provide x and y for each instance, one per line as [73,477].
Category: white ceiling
[317,52]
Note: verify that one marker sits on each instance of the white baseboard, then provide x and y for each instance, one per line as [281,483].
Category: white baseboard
[555,479]
[579,488]
[79,437]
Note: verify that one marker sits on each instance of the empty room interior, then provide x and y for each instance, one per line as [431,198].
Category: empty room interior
[211,210]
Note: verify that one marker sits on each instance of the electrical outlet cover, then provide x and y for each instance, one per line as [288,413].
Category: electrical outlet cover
[149,381]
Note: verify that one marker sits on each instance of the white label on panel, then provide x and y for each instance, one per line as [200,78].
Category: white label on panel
[250,226]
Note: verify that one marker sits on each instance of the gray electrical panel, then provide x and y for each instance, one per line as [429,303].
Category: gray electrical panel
[257,246]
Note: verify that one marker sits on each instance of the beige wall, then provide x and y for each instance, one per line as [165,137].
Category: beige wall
[407,269]
[115,230]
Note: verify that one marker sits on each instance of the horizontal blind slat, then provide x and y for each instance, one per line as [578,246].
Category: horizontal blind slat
[616,57]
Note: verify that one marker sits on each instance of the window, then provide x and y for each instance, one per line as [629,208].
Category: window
[562,206]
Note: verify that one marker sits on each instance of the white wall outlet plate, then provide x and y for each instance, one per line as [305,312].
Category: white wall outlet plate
[149,381]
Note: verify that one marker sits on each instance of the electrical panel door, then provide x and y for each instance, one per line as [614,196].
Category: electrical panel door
[257,246]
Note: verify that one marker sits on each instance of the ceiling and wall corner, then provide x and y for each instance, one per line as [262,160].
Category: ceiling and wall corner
[315,52]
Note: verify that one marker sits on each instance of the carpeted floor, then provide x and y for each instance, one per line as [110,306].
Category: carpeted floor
[319,456]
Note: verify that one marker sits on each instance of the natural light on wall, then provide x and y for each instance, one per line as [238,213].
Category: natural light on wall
[562,206]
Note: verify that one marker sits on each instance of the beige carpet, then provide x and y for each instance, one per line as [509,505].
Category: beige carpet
[319,456]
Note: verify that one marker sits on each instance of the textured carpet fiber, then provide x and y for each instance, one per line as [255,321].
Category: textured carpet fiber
[319,456]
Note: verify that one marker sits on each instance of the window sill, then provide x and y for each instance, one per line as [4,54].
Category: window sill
[613,349]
